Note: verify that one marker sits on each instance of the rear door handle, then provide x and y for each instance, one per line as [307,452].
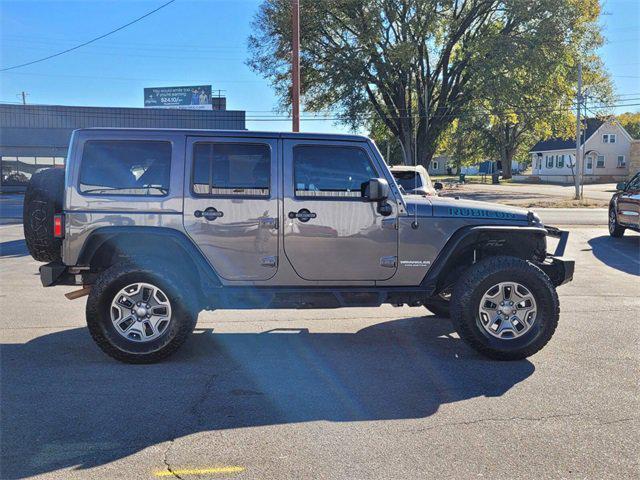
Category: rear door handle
[209,214]
[303,215]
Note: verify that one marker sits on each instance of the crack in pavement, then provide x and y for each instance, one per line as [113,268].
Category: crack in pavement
[166,459]
[193,412]
[483,420]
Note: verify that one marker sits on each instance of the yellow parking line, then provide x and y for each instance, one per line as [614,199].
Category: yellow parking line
[199,471]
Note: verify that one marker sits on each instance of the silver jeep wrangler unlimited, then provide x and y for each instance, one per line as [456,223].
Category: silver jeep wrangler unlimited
[157,225]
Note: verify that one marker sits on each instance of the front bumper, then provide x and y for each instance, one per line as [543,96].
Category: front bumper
[559,268]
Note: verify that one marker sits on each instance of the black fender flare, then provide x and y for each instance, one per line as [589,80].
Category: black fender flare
[530,241]
[135,240]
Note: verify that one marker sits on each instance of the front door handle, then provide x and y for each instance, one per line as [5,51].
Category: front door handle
[209,214]
[303,215]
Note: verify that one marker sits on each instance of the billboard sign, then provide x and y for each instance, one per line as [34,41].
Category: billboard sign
[193,98]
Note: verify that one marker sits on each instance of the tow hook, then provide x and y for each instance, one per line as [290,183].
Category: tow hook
[85,290]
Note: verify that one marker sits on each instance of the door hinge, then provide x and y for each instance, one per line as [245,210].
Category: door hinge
[270,261]
[268,222]
[390,223]
[389,262]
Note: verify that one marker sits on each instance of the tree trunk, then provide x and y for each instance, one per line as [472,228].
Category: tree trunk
[407,145]
[506,157]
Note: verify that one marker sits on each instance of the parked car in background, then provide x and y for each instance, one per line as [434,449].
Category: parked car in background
[415,180]
[624,208]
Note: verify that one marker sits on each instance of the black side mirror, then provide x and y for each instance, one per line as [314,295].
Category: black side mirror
[438,186]
[376,190]
[621,186]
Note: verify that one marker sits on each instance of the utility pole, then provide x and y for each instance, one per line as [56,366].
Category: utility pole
[295,64]
[23,95]
[578,162]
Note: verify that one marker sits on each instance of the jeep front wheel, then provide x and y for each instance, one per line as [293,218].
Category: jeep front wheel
[138,314]
[505,308]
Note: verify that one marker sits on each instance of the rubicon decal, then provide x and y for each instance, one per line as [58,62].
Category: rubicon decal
[479,213]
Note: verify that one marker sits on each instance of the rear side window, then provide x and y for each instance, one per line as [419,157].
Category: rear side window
[331,171]
[125,167]
[231,169]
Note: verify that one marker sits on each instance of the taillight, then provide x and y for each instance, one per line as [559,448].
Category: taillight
[58,225]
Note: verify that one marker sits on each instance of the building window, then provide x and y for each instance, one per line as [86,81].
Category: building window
[539,163]
[600,161]
[549,160]
[560,161]
[621,161]
[434,165]
[609,138]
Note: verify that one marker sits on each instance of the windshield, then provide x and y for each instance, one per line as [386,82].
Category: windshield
[408,180]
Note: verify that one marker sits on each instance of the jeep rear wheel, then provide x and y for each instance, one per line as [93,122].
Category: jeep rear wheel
[505,308]
[42,200]
[138,314]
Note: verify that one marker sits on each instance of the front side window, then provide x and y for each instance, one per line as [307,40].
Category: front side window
[621,161]
[434,165]
[231,169]
[323,171]
[609,138]
[560,161]
[600,161]
[125,167]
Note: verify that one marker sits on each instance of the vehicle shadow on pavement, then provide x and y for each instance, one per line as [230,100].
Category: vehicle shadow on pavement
[65,404]
[620,253]
[13,248]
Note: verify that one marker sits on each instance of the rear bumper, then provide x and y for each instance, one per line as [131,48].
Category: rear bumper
[57,273]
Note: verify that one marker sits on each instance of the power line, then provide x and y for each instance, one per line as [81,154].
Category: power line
[89,41]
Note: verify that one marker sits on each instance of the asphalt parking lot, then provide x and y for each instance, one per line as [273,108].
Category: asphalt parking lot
[351,393]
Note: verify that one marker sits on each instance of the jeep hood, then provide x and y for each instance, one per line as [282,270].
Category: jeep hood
[459,208]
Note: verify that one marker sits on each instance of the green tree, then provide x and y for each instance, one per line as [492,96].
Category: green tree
[631,123]
[414,64]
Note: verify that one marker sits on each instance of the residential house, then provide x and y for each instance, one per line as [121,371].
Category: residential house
[605,149]
[440,165]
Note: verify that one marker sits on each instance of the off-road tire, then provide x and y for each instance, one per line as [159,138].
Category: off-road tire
[470,289]
[42,200]
[184,314]
[615,230]
[439,306]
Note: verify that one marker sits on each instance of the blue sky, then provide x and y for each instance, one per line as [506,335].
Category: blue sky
[191,43]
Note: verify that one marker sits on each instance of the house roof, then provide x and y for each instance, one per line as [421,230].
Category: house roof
[551,144]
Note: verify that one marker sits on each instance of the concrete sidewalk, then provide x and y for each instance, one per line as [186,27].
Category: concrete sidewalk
[573,216]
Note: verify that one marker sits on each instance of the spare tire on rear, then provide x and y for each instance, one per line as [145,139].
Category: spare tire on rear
[42,200]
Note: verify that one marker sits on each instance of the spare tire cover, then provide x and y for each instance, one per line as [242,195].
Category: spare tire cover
[42,200]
